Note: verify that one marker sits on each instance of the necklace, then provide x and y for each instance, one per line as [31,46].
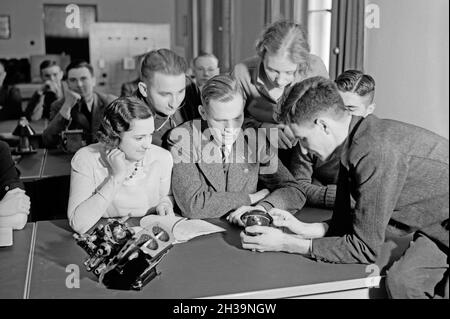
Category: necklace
[137,166]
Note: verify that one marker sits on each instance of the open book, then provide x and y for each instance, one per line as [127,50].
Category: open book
[183,229]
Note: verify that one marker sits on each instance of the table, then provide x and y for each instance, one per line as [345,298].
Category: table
[212,266]
[32,165]
[45,163]
[15,261]
[57,164]
[46,175]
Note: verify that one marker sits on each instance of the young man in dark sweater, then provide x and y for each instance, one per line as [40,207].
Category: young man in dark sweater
[398,175]
[318,178]
[168,91]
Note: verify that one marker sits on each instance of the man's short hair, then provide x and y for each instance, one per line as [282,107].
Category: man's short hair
[47,64]
[308,99]
[204,55]
[221,88]
[355,81]
[77,64]
[164,61]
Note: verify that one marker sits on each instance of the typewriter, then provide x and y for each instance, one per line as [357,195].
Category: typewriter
[121,258]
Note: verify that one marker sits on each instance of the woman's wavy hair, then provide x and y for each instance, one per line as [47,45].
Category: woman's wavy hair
[289,37]
[118,116]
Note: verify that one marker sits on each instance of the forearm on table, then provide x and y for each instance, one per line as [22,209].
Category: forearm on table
[88,212]
[315,230]
[317,195]
[296,245]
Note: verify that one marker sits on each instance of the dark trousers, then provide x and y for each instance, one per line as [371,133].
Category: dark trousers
[421,273]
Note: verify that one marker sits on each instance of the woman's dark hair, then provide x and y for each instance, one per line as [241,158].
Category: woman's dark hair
[118,116]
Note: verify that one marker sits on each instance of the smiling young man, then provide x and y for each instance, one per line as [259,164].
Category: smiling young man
[166,89]
[217,167]
[81,108]
[398,175]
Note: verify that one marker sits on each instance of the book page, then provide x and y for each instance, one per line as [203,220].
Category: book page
[183,229]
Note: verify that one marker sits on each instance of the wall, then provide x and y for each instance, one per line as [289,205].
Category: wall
[27,24]
[409,59]
[248,25]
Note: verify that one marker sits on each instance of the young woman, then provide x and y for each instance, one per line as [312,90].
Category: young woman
[283,58]
[122,175]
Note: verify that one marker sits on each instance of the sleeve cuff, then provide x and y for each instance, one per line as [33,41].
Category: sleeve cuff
[330,196]
[267,206]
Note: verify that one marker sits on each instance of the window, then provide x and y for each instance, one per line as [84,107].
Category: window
[319,28]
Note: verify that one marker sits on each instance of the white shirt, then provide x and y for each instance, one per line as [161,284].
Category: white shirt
[92,197]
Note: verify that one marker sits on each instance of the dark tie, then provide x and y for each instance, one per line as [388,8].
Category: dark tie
[225,165]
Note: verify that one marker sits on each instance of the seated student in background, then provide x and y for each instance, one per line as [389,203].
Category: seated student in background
[318,178]
[213,172]
[123,174]
[50,91]
[81,108]
[398,175]
[14,203]
[10,98]
[205,66]
[169,93]
[283,58]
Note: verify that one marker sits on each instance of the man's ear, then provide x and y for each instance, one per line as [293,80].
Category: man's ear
[60,75]
[202,112]
[323,125]
[142,87]
[371,108]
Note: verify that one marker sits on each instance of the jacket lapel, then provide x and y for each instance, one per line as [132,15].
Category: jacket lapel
[238,172]
[97,109]
[210,162]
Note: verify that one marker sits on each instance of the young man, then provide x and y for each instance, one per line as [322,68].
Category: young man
[318,178]
[206,65]
[14,203]
[217,167]
[398,175]
[50,91]
[357,91]
[166,89]
[81,107]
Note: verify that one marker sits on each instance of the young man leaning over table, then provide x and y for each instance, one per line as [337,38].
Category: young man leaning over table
[398,175]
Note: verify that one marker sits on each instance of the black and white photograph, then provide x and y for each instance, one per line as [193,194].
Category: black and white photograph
[227,156]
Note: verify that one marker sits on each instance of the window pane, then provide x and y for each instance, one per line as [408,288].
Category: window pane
[319,29]
[314,5]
